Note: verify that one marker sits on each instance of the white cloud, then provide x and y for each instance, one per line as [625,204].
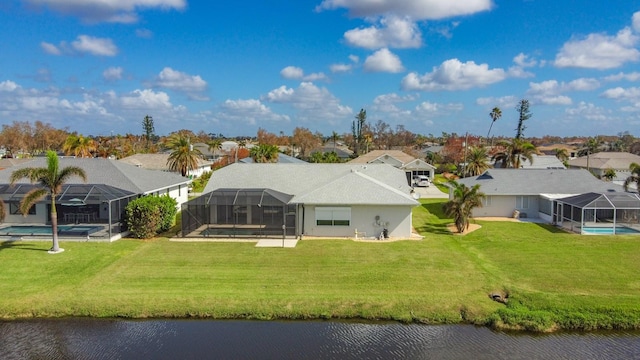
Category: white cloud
[386,103]
[392,32]
[145,99]
[250,111]
[354,58]
[182,82]
[524,60]
[454,75]
[118,11]
[502,102]
[94,46]
[144,33]
[383,60]
[430,109]
[587,111]
[599,51]
[113,73]
[550,92]
[8,85]
[312,102]
[340,68]
[416,9]
[50,48]
[296,73]
[635,21]
[630,94]
[633,76]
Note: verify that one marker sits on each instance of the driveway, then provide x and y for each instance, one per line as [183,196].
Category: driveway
[430,192]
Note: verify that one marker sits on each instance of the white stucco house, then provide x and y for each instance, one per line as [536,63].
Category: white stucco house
[161,162]
[99,201]
[532,192]
[298,200]
[396,158]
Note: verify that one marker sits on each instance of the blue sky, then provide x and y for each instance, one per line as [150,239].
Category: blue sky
[99,66]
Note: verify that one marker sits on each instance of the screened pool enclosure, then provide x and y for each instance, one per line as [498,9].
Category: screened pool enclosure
[596,213]
[239,213]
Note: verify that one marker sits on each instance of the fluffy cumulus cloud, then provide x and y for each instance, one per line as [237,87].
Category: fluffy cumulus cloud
[550,92]
[391,31]
[587,111]
[632,76]
[383,60]
[388,104]
[296,73]
[119,11]
[145,99]
[83,44]
[430,109]
[312,102]
[502,102]
[454,75]
[416,9]
[250,111]
[600,51]
[191,85]
[629,94]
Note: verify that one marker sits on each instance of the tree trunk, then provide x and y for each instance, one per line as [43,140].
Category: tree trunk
[54,230]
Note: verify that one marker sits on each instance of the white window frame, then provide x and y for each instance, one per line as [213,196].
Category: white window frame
[522,202]
[486,201]
[333,216]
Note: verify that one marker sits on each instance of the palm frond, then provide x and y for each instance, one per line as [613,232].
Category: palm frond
[31,198]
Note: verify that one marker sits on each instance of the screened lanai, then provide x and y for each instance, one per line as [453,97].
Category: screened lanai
[239,213]
[600,213]
[96,204]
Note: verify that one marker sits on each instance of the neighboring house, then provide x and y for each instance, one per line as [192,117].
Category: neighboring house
[599,162]
[326,200]
[110,186]
[543,162]
[160,162]
[282,159]
[396,158]
[343,152]
[531,192]
[550,149]
[210,155]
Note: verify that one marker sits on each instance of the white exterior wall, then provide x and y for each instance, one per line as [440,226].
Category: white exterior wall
[39,218]
[363,219]
[504,205]
[180,193]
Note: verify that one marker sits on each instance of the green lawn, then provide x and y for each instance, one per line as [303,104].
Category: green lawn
[554,279]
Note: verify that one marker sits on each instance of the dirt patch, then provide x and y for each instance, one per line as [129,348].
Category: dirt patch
[470,229]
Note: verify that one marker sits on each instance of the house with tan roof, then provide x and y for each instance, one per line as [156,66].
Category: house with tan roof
[398,159]
[598,163]
[161,162]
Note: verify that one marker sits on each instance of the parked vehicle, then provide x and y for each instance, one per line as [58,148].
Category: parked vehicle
[421,181]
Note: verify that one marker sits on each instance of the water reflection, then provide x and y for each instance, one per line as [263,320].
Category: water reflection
[199,339]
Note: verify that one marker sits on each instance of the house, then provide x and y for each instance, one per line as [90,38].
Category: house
[530,193]
[161,162]
[343,152]
[99,202]
[326,200]
[396,158]
[542,162]
[282,159]
[598,163]
[551,149]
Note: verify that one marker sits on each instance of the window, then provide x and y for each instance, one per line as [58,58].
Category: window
[486,201]
[14,209]
[333,216]
[522,202]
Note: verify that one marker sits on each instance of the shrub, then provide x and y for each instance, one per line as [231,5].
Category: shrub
[149,215]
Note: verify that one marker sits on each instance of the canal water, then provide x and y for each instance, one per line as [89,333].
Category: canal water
[207,339]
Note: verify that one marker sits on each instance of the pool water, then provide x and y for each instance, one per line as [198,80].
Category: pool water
[620,230]
[73,230]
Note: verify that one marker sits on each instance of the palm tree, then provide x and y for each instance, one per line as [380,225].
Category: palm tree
[561,154]
[461,207]
[476,161]
[265,153]
[515,151]
[183,157]
[79,146]
[51,179]
[633,178]
[495,114]
[609,174]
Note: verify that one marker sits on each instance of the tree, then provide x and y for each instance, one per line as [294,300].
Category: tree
[609,174]
[495,114]
[461,207]
[561,154]
[147,126]
[357,129]
[264,153]
[184,157]
[633,178]
[515,151]
[51,179]
[305,141]
[525,114]
[79,146]
[476,161]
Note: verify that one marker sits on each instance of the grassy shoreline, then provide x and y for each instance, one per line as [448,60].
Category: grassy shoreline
[555,280]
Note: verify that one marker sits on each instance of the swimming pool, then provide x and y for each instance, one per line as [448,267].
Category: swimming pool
[43,230]
[620,230]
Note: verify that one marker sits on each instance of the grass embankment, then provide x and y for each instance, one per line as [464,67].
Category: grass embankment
[554,279]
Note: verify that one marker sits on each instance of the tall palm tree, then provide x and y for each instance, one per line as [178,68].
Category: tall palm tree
[515,151]
[51,179]
[495,114]
[184,157]
[633,178]
[461,207]
[561,154]
[476,161]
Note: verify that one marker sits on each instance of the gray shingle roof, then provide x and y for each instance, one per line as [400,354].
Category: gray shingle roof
[538,181]
[109,172]
[320,183]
